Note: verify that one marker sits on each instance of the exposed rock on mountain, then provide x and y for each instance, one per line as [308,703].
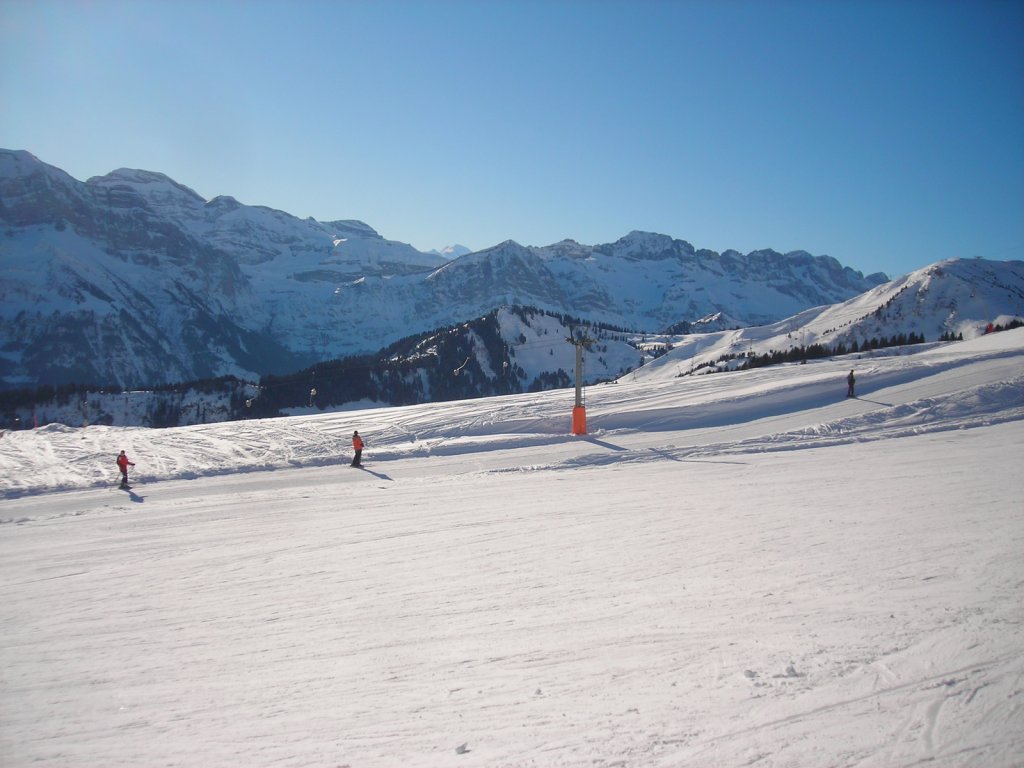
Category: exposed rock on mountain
[133,279]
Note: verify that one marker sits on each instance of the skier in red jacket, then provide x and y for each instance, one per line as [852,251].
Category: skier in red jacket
[357,446]
[123,463]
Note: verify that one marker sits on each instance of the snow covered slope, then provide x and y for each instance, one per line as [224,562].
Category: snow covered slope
[133,279]
[953,297]
[729,570]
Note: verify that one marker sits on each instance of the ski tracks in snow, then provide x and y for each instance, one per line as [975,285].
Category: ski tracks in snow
[718,416]
[982,406]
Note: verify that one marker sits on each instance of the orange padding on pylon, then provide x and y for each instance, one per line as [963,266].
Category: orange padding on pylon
[579,420]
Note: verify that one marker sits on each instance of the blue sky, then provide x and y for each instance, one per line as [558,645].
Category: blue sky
[886,134]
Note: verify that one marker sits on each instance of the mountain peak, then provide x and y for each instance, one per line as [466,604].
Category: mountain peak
[224,203]
[147,183]
[18,162]
[453,251]
[352,227]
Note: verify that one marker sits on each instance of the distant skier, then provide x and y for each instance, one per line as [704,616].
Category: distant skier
[849,385]
[357,446]
[123,463]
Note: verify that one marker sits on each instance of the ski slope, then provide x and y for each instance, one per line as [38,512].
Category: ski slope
[735,569]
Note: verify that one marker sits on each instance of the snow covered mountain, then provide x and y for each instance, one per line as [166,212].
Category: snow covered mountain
[453,251]
[133,279]
[953,298]
[518,350]
[514,349]
[643,281]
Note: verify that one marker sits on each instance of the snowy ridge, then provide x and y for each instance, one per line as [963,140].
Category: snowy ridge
[729,570]
[958,296]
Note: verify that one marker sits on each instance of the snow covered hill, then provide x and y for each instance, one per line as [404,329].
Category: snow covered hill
[132,279]
[957,297]
[514,349]
[729,570]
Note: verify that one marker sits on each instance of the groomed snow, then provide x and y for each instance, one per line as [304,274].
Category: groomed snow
[733,569]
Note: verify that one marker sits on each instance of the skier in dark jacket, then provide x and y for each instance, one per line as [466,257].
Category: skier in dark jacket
[357,446]
[123,463]
[849,385]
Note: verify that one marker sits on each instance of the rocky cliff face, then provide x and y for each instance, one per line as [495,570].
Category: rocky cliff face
[133,279]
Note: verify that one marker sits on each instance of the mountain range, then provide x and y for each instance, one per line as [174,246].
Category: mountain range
[132,279]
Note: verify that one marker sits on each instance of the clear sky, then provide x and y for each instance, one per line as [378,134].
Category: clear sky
[886,134]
